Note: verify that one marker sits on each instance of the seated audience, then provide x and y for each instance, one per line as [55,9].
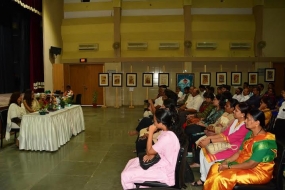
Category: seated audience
[204,111]
[238,94]
[68,93]
[184,97]
[30,103]
[167,147]
[252,164]
[219,90]
[178,91]
[265,104]
[234,134]
[141,140]
[191,107]
[245,95]
[226,88]
[280,100]
[15,113]
[254,100]
[214,128]
[202,90]
[261,87]
[271,94]
[281,112]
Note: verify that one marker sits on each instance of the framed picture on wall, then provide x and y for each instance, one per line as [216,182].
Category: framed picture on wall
[269,75]
[131,79]
[205,79]
[184,79]
[252,78]
[163,79]
[103,79]
[236,78]
[221,78]
[117,79]
[147,80]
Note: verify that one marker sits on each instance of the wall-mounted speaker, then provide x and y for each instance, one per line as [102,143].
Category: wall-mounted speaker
[55,50]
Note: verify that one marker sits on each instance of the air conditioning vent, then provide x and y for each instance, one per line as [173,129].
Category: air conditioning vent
[240,45]
[137,46]
[88,47]
[163,46]
[206,45]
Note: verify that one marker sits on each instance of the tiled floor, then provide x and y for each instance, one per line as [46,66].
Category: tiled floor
[92,160]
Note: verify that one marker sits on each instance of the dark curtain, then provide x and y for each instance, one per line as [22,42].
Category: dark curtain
[21,47]
[36,54]
[7,83]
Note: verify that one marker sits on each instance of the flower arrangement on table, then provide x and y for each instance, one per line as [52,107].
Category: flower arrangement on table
[43,106]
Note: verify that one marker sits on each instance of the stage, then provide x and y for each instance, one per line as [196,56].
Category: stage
[4,99]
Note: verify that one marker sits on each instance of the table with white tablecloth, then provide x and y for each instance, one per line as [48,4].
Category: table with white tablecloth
[49,132]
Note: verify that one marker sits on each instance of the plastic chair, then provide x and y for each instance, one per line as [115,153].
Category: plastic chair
[3,120]
[179,173]
[277,181]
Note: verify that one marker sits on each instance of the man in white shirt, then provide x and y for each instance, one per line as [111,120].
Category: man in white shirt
[281,113]
[191,106]
[202,90]
[245,95]
[238,94]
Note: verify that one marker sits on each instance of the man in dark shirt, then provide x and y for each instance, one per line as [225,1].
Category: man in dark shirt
[254,100]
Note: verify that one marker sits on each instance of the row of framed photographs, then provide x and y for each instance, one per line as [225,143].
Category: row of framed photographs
[131,79]
[184,79]
[236,78]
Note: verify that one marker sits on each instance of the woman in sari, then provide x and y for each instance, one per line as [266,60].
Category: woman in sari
[233,134]
[252,164]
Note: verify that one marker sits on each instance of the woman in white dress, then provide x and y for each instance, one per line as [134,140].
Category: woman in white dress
[15,113]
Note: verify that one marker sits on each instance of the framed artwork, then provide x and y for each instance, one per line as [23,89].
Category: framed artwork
[205,79]
[236,78]
[103,79]
[131,79]
[252,78]
[184,79]
[163,79]
[221,78]
[147,80]
[117,79]
[269,75]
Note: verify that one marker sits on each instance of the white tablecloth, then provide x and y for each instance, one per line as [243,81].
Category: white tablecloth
[50,131]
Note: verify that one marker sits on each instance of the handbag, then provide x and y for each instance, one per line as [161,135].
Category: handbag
[214,148]
[146,165]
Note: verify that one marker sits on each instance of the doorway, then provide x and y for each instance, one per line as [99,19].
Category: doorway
[84,80]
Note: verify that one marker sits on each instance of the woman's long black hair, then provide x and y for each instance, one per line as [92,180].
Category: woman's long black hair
[169,118]
[28,97]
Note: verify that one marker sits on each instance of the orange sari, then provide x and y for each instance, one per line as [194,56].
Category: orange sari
[261,148]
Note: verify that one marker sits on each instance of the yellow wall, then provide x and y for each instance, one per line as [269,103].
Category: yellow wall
[52,18]
[223,30]
[153,30]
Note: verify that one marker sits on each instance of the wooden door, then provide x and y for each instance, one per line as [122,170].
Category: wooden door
[91,84]
[84,80]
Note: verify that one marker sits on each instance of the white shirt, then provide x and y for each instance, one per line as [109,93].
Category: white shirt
[158,101]
[244,98]
[237,97]
[195,103]
[189,99]
[180,94]
[13,112]
[281,113]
